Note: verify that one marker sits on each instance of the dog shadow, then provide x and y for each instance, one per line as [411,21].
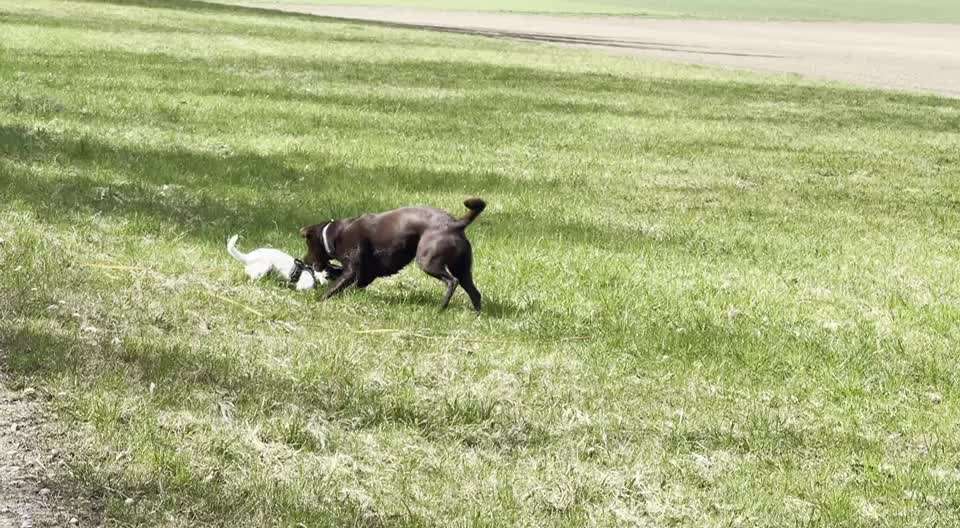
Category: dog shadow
[428,299]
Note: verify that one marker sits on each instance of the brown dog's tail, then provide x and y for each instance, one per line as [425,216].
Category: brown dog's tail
[475,206]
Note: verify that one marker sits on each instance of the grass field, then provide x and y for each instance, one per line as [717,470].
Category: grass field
[941,11]
[713,298]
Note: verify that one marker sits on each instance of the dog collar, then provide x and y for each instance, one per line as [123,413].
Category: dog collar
[327,244]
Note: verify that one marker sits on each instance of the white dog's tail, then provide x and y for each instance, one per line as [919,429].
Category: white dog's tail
[234,252]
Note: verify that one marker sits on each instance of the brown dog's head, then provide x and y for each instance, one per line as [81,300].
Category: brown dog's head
[317,255]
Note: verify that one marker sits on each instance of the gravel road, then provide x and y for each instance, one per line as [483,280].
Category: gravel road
[36,489]
[916,57]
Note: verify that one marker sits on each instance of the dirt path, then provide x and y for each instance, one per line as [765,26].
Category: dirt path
[34,489]
[922,57]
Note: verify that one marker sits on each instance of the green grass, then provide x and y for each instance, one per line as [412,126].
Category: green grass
[939,11]
[713,298]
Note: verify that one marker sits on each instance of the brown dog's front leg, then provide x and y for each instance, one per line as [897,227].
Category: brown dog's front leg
[344,282]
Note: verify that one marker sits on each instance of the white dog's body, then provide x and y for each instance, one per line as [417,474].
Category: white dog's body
[260,262]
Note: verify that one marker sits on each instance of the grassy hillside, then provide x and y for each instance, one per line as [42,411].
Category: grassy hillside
[712,298]
[940,11]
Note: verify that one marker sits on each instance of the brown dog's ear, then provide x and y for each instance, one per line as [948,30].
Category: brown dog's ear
[304,231]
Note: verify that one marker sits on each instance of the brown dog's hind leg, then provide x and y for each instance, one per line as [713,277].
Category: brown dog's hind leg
[466,281]
[462,269]
[464,276]
[442,273]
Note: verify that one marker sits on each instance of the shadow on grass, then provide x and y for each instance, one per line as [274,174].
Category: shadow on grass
[225,75]
[201,7]
[334,386]
[428,298]
[93,176]
[207,196]
[489,33]
[158,470]
[196,193]
[156,450]
[214,193]
[115,25]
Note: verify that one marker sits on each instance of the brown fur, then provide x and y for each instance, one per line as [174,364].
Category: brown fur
[381,244]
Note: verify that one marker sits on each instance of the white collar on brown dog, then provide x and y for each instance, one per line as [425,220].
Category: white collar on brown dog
[327,245]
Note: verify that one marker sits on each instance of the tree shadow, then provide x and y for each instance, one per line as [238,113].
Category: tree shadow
[488,88]
[206,194]
[697,88]
[200,6]
[194,192]
[179,188]
[115,25]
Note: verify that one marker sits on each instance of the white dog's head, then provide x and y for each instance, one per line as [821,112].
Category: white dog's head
[310,278]
[306,280]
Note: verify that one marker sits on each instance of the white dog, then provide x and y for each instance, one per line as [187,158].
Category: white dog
[260,262]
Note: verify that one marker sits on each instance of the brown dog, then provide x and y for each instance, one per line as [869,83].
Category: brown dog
[378,245]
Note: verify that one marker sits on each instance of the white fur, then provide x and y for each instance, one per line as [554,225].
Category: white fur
[260,262]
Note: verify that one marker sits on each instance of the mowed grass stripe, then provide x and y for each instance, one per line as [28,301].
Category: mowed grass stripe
[710,296]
